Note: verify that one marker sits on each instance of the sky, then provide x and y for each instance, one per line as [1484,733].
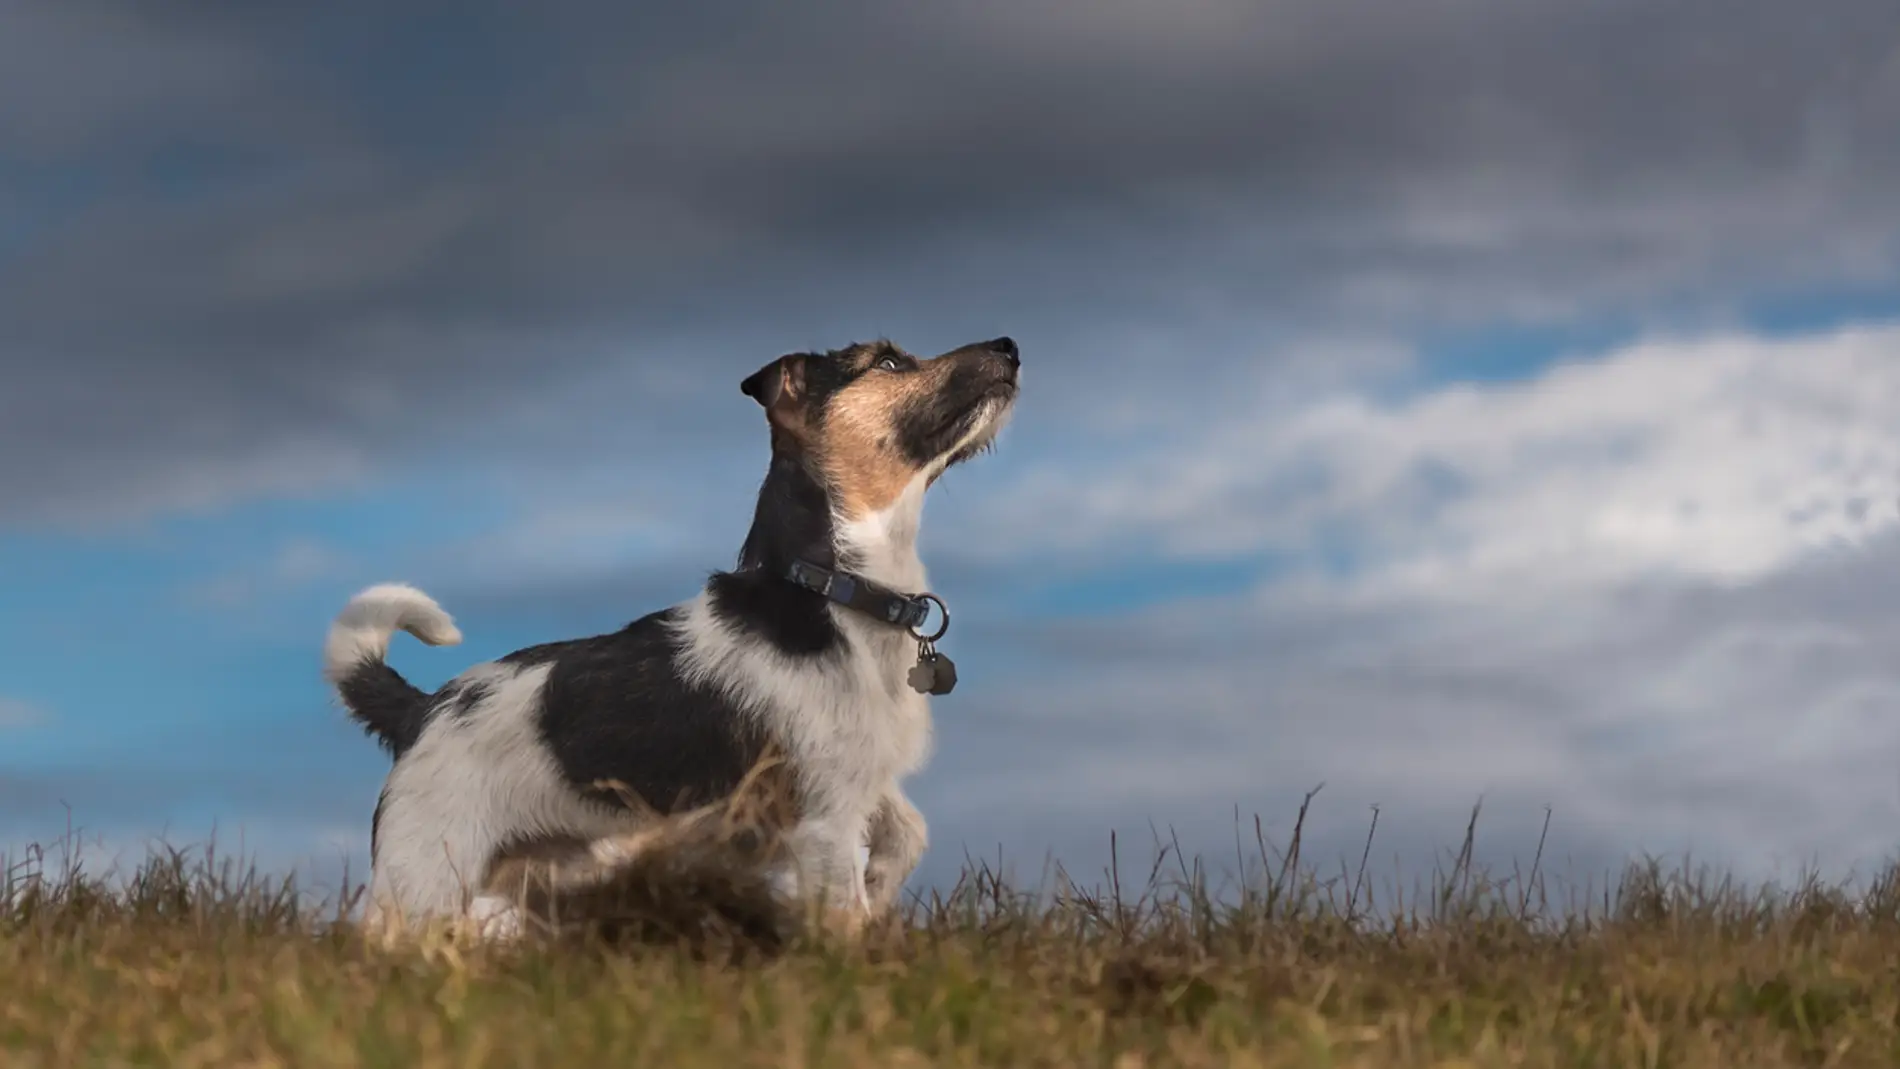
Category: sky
[1436,400]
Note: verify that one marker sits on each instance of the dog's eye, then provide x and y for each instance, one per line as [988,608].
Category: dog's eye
[889,363]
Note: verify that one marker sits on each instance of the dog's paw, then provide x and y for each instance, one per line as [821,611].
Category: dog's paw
[846,925]
[496,919]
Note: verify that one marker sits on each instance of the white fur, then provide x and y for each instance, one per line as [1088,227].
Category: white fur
[362,630]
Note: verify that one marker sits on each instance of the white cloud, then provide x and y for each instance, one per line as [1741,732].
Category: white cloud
[1723,458]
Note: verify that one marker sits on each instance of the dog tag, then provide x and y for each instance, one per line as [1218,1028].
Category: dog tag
[923,676]
[946,673]
[933,673]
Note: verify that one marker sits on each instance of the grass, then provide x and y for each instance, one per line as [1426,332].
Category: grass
[193,961]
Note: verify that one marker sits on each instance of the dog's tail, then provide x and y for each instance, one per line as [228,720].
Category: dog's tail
[376,695]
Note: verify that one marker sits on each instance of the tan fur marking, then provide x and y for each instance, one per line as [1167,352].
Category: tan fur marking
[858,449]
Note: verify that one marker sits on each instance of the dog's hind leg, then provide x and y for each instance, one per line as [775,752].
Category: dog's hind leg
[431,858]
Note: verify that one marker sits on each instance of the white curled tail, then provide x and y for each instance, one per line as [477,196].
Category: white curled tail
[362,630]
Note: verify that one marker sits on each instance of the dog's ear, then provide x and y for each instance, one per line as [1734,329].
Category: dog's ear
[777,384]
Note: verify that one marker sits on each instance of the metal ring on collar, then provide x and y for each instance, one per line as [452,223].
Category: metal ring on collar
[942,627]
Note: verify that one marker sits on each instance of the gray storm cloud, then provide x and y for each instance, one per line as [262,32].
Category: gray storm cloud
[279,246]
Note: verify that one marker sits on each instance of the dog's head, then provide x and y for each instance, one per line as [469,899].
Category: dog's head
[872,421]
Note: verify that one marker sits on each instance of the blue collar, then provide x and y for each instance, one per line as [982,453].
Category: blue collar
[908,611]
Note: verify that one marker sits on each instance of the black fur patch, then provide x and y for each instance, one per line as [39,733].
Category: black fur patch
[615,708]
[827,373]
[794,619]
[388,706]
[376,821]
[791,520]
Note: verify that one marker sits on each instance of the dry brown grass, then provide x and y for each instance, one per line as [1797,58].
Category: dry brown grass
[193,962]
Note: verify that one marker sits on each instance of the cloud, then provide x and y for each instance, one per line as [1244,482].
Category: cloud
[19,714]
[286,253]
[1725,457]
[162,70]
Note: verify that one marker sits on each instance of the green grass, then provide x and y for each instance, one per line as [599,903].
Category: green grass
[195,962]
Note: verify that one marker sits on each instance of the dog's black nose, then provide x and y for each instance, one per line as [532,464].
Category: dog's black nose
[1007,347]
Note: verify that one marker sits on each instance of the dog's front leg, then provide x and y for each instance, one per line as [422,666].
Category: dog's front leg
[825,853]
[898,838]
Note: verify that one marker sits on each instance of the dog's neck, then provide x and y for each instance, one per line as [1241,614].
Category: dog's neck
[882,546]
[795,520]
[792,521]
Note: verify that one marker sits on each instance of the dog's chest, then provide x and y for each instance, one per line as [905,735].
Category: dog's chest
[879,724]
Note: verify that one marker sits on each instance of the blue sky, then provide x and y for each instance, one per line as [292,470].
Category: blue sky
[1410,406]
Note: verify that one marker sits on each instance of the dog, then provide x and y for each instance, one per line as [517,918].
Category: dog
[817,647]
